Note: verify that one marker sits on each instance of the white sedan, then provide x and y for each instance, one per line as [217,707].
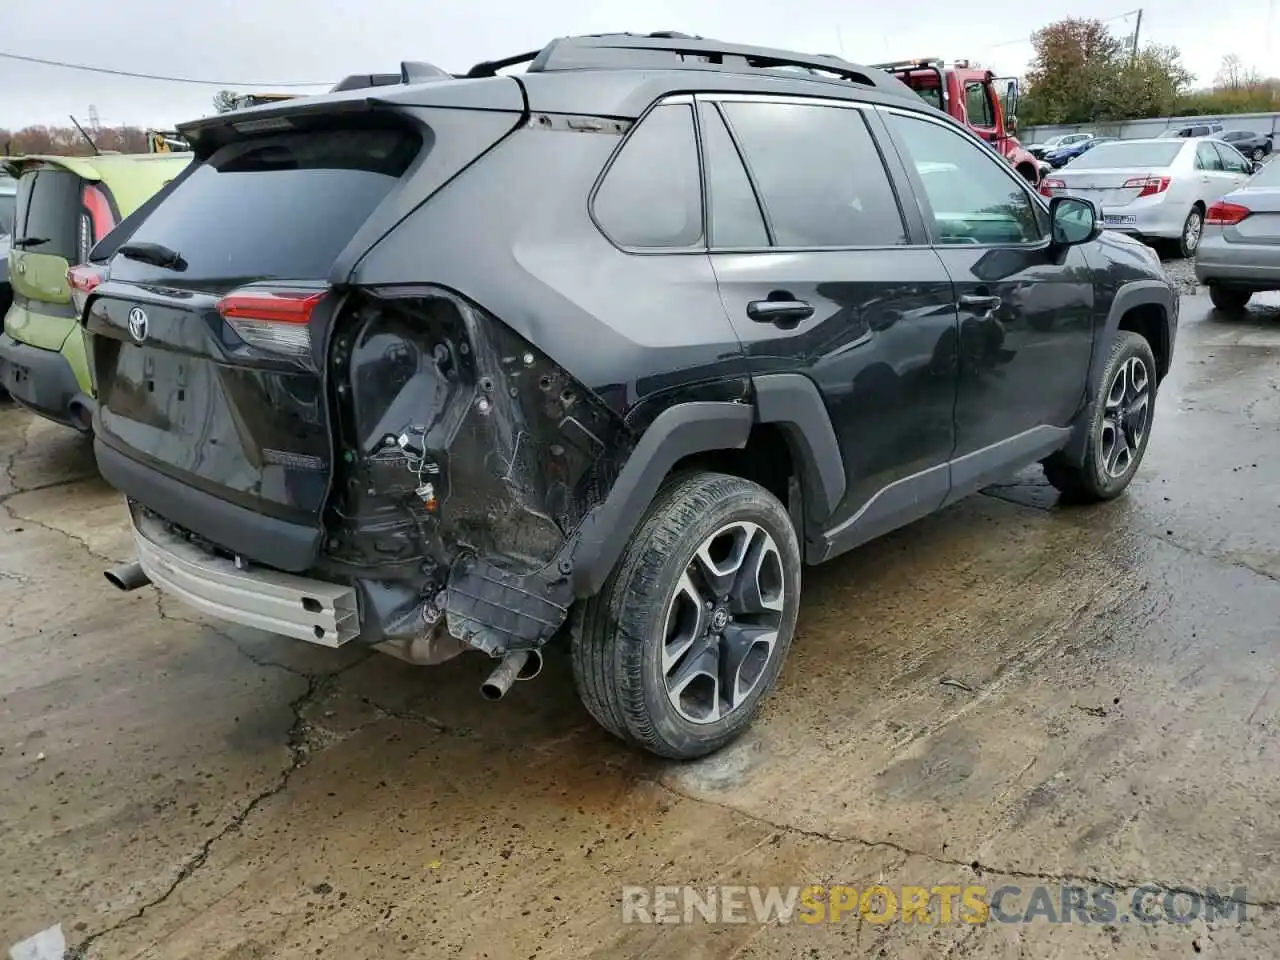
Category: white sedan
[1157,190]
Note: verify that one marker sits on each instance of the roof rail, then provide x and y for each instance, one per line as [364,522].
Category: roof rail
[671,50]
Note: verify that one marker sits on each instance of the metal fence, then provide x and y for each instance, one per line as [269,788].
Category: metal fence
[1135,129]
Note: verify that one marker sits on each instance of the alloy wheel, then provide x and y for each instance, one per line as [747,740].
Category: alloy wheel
[1191,232]
[1125,417]
[722,622]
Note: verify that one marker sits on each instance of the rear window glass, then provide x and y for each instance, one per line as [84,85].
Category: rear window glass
[49,209]
[1136,153]
[274,207]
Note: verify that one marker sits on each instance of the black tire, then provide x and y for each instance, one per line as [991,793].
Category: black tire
[1189,240]
[1227,299]
[1091,481]
[619,636]
[1257,154]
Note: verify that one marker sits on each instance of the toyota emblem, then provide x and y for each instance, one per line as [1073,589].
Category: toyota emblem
[138,324]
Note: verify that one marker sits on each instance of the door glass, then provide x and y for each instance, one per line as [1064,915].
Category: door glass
[1232,161]
[973,196]
[652,194]
[1207,158]
[736,220]
[978,104]
[819,175]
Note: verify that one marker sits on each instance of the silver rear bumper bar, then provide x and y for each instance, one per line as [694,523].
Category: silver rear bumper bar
[312,610]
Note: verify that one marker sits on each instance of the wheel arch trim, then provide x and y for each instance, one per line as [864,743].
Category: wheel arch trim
[792,403]
[1135,293]
[679,431]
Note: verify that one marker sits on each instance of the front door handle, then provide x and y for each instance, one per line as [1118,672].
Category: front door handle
[782,312]
[980,301]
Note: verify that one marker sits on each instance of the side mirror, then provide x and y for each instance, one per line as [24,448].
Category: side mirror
[1073,221]
[1011,121]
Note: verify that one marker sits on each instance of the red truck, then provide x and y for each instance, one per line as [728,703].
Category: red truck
[973,96]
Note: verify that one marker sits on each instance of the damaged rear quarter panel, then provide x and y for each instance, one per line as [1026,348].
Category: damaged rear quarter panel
[528,275]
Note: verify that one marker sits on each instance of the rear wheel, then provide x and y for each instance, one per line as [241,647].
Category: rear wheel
[1257,153]
[1228,300]
[1119,425]
[1192,228]
[690,630]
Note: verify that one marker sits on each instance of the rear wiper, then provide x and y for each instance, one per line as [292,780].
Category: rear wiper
[30,241]
[156,254]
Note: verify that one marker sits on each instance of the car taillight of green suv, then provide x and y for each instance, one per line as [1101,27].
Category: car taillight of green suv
[64,206]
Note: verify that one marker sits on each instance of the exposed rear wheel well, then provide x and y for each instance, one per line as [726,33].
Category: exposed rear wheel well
[766,460]
[1147,320]
[1029,173]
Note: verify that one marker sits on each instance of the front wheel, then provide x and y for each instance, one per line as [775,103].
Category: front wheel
[1119,425]
[689,633]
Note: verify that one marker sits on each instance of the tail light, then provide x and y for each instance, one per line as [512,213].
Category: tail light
[83,280]
[1050,184]
[276,321]
[96,219]
[1148,186]
[1224,214]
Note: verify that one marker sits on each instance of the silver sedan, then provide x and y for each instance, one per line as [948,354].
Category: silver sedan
[1157,190]
[1240,251]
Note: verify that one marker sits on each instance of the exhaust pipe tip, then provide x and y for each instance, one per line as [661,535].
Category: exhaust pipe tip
[127,576]
[517,665]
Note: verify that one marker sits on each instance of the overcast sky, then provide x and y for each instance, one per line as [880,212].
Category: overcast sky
[306,40]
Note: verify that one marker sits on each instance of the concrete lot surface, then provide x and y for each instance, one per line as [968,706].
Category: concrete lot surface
[1011,693]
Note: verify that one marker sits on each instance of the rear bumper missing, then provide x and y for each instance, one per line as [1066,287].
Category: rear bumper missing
[312,610]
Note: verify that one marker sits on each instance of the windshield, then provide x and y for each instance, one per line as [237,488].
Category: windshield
[1133,153]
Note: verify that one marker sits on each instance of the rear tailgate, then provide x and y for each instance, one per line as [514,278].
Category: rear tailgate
[210,371]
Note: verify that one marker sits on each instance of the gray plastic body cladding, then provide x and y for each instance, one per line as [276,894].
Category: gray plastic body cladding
[792,402]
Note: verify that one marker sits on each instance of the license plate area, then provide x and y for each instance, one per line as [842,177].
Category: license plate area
[156,387]
[1118,220]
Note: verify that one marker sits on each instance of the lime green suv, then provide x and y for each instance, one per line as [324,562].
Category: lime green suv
[65,205]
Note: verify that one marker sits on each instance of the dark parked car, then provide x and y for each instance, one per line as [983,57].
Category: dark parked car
[615,344]
[1060,158]
[1255,146]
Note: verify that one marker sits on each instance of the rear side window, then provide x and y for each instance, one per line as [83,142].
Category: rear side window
[736,220]
[49,214]
[819,174]
[274,207]
[651,195]
[1207,158]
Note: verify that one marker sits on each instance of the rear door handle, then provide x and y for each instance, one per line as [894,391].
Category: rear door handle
[784,313]
[980,301]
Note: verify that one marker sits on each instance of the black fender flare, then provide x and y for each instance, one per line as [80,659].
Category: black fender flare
[590,553]
[1135,293]
[791,402]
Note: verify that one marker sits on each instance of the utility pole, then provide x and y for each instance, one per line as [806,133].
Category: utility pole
[1137,28]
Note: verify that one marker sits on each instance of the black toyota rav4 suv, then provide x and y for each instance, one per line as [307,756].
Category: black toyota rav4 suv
[612,346]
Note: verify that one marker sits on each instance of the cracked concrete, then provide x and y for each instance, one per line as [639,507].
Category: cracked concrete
[1012,692]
